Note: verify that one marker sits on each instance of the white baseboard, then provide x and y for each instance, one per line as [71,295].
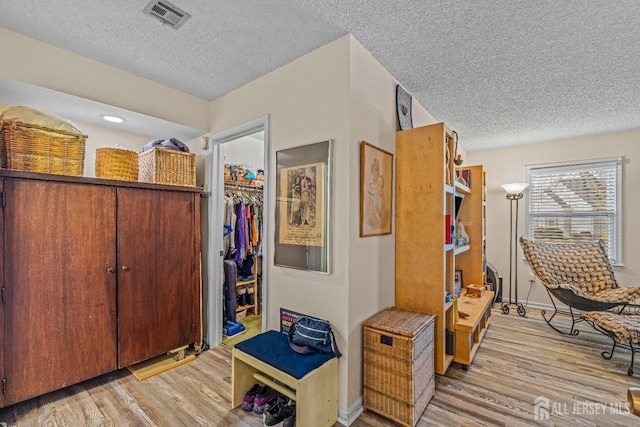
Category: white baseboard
[347,416]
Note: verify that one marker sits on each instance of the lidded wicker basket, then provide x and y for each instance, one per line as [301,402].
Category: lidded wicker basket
[116,163]
[165,166]
[34,148]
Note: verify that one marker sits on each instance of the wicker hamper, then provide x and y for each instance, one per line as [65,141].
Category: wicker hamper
[166,166]
[399,376]
[116,163]
[33,148]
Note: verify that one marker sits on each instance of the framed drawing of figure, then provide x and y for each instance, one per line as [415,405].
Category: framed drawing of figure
[376,190]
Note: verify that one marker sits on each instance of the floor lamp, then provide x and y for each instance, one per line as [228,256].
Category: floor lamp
[514,194]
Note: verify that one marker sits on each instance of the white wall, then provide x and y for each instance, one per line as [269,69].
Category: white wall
[102,136]
[371,259]
[248,151]
[348,97]
[508,164]
[308,102]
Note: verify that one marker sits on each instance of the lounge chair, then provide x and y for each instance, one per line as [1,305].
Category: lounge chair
[578,275]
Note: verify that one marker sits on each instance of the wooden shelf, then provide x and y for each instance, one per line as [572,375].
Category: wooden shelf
[462,188]
[422,206]
[461,249]
[256,291]
[470,331]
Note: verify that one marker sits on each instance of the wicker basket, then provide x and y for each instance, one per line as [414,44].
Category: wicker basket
[34,148]
[166,166]
[241,315]
[399,376]
[116,163]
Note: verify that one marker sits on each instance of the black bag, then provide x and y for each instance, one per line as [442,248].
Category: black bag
[309,335]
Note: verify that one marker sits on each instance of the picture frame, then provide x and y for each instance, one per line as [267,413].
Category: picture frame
[376,190]
[458,278]
[302,235]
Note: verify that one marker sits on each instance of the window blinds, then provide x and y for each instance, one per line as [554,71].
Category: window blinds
[575,202]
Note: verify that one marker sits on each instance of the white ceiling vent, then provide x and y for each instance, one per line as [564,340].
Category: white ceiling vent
[166,13]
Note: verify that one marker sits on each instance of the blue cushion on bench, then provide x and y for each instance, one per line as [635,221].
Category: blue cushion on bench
[272,347]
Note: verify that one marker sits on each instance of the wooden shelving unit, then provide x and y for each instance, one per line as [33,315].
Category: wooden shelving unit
[472,261]
[427,255]
[255,307]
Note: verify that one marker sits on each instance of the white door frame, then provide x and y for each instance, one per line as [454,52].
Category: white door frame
[215,294]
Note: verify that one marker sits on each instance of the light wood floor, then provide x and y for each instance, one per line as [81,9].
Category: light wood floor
[520,360]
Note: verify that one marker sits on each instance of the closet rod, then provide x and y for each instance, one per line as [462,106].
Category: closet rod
[242,186]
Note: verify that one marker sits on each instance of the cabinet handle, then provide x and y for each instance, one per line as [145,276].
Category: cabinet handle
[125,268]
[111,270]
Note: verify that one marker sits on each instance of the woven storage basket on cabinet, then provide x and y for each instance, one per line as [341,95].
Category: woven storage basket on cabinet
[116,163]
[399,378]
[166,166]
[35,148]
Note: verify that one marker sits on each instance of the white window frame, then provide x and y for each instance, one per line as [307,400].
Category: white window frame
[572,166]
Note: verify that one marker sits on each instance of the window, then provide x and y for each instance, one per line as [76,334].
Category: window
[576,201]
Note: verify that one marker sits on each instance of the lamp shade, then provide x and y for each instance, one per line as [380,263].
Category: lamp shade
[515,187]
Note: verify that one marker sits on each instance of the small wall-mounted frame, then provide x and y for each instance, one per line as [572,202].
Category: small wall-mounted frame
[376,190]
[302,207]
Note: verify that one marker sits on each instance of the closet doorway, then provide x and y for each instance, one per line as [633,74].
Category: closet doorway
[238,248]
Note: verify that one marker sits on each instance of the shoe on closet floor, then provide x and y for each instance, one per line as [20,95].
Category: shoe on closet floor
[272,410]
[290,420]
[262,397]
[249,397]
[280,411]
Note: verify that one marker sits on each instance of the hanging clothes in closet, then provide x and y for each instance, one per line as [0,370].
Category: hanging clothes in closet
[242,236]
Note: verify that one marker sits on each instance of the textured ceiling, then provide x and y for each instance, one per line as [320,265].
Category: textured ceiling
[499,72]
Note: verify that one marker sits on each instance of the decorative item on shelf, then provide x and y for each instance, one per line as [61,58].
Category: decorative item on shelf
[448,229]
[456,313]
[457,283]
[457,159]
[403,104]
[116,163]
[475,291]
[462,238]
[514,194]
[447,163]
[465,176]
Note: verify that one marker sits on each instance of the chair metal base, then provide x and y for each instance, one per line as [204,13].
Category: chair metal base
[609,354]
[574,318]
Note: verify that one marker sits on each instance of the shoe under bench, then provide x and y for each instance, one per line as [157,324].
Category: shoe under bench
[310,380]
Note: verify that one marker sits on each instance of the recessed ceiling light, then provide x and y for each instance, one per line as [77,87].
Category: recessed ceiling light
[113,119]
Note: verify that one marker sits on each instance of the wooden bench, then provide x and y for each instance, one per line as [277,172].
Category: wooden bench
[310,380]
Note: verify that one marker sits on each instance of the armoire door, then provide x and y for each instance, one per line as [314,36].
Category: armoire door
[60,285]
[157,274]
